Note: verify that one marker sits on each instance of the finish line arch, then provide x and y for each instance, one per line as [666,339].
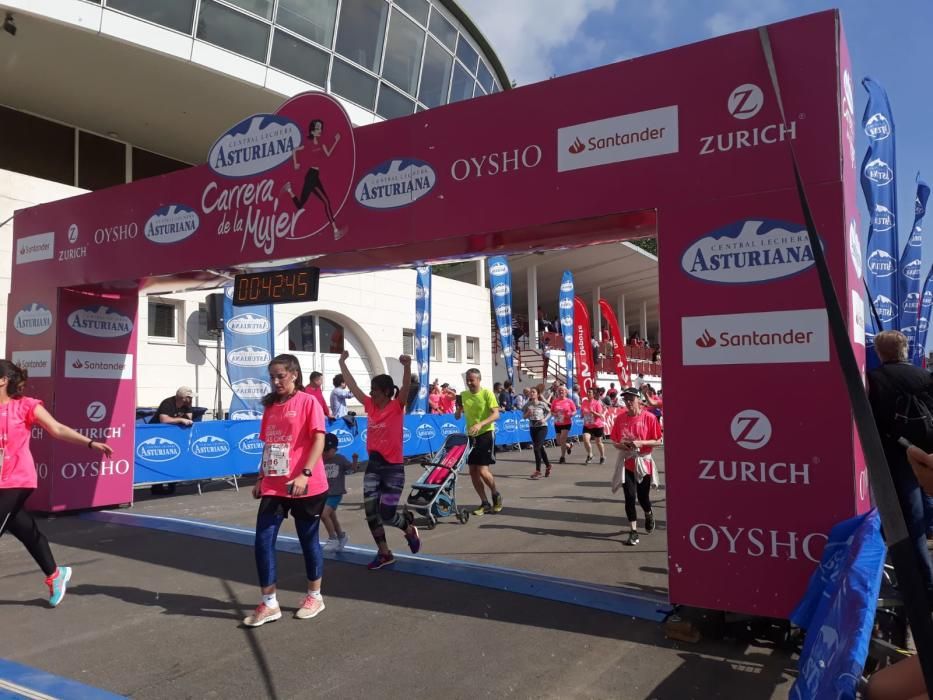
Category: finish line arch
[687,143]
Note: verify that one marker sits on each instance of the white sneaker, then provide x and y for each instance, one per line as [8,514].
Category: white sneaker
[331,545]
[342,541]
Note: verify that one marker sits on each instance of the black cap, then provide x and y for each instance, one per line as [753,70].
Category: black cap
[631,391]
[330,441]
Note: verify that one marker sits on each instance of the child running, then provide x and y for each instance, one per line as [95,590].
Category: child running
[384,480]
[337,467]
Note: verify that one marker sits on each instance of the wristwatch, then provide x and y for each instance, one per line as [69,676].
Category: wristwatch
[306,471]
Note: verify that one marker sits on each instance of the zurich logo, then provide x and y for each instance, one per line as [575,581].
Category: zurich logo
[749,251]
[210,447]
[883,219]
[745,101]
[250,444]
[257,144]
[406,435]
[395,183]
[249,356]
[449,429]
[500,290]
[498,269]
[100,322]
[33,319]
[171,224]
[246,415]
[884,307]
[881,264]
[879,172]
[425,431]
[344,437]
[877,128]
[248,324]
[158,449]
[912,269]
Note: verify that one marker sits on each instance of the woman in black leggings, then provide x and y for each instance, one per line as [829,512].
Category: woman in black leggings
[537,412]
[18,477]
[317,153]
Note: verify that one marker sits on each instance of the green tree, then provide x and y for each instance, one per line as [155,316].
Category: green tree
[648,244]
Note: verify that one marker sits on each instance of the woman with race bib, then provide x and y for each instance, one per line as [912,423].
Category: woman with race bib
[594,424]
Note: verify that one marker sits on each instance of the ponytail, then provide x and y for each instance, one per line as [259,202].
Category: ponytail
[383,382]
[16,378]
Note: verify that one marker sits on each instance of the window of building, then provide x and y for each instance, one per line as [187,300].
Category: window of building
[435,76]
[301,335]
[435,347]
[263,8]
[462,87]
[408,343]
[299,58]
[416,8]
[393,104]
[232,30]
[19,135]
[441,27]
[467,54]
[478,90]
[101,162]
[453,348]
[149,164]
[472,350]
[311,18]
[404,46]
[174,14]
[353,84]
[361,31]
[163,319]
[484,76]
[331,335]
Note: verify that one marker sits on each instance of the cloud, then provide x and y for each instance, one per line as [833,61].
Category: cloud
[524,33]
[739,14]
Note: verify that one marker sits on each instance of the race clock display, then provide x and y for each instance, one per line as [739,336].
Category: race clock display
[276,286]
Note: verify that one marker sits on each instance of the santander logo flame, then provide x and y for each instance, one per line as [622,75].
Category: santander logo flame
[577,146]
[706,340]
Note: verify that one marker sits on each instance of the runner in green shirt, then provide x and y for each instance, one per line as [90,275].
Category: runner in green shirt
[482,411]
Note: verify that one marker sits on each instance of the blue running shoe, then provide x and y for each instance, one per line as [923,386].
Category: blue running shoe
[58,584]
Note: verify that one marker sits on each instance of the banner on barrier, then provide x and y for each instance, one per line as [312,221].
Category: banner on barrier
[248,344]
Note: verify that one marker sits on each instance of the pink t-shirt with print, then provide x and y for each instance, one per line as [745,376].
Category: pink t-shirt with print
[18,470]
[593,411]
[384,430]
[563,410]
[295,423]
[644,426]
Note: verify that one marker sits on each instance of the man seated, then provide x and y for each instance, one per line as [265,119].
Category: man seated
[176,409]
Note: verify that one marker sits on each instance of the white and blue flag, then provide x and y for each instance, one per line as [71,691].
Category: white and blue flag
[422,337]
[565,314]
[500,283]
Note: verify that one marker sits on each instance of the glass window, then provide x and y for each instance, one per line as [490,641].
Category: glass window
[467,54]
[478,90]
[353,84]
[416,8]
[472,350]
[263,8]
[174,14]
[403,53]
[453,348]
[20,151]
[162,319]
[443,29]
[149,164]
[408,343]
[435,76]
[301,334]
[393,104]
[485,77]
[362,30]
[311,18]
[101,162]
[462,88]
[331,336]
[233,30]
[300,59]
[436,347]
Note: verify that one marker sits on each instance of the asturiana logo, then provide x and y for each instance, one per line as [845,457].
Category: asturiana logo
[425,431]
[249,356]
[503,310]
[498,269]
[749,251]
[344,437]
[248,324]
[449,429]
[500,290]
[406,435]
[510,425]
[250,444]
[257,144]
[883,219]
[395,183]
[879,172]
[251,389]
[565,304]
[246,415]
[33,319]
[171,224]
[877,128]
[100,322]
[422,292]
[158,449]
[881,263]
[566,286]
[210,447]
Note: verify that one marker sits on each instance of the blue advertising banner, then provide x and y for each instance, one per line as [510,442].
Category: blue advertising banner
[565,312]
[500,282]
[923,319]
[422,337]
[248,343]
[910,270]
[838,610]
[880,190]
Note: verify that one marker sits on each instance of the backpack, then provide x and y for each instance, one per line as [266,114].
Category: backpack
[913,418]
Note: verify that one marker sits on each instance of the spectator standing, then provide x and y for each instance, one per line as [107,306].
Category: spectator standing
[338,397]
[505,397]
[316,390]
[597,355]
[546,358]
[176,410]
[519,400]
[434,400]
[448,399]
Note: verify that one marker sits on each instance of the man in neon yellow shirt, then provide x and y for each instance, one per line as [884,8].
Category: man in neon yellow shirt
[482,411]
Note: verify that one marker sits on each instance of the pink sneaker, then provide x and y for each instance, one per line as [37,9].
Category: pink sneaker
[261,615]
[310,607]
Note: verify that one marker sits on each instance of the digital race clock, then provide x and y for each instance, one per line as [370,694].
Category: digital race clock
[276,286]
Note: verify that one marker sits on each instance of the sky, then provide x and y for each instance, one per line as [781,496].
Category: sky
[536,39]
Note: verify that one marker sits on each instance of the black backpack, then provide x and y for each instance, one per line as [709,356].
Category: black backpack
[913,412]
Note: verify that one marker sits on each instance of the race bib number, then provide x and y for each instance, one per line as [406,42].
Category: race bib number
[332,470]
[587,417]
[275,460]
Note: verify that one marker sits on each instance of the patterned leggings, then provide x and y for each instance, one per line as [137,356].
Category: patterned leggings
[382,488]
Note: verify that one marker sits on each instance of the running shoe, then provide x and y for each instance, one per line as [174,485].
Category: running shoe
[588,459]
[261,615]
[411,536]
[563,460]
[483,509]
[331,544]
[497,503]
[547,471]
[380,561]
[310,607]
[602,460]
[58,584]
[535,475]
[632,539]
[342,541]
[649,522]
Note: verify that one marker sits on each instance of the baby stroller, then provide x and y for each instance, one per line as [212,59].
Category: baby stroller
[434,495]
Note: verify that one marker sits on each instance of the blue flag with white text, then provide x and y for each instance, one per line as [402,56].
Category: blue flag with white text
[565,312]
[923,319]
[909,272]
[422,337]
[248,344]
[500,282]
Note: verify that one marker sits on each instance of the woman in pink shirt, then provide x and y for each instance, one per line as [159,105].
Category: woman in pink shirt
[594,424]
[563,409]
[292,480]
[434,399]
[384,480]
[18,477]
